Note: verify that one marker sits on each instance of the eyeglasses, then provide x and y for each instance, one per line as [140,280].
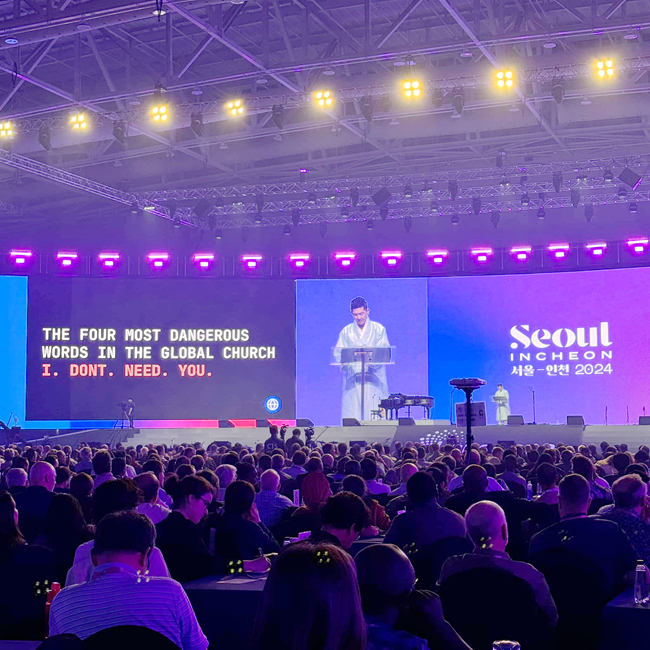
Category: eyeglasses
[205,501]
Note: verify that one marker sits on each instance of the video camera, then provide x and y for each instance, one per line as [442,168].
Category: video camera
[283,431]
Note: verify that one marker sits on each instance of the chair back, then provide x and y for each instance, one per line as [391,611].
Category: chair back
[428,560]
[517,489]
[485,604]
[129,637]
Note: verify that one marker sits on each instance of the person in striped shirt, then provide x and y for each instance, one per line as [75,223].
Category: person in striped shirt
[120,591]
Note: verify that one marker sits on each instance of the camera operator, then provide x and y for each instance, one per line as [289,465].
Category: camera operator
[295,438]
[274,442]
[127,411]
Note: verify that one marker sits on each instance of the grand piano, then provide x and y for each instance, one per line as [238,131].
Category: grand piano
[393,403]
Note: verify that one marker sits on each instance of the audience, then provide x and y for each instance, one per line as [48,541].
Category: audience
[343,518]
[33,503]
[117,594]
[102,467]
[10,536]
[16,480]
[369,475]
[226,474]
[406,471]
[151,506]
[315,493]
[271,505]
[547,478]
[378,519]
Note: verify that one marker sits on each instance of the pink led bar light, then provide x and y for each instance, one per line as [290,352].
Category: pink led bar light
[438,256]
[481,255]
[391,258]
[639,245]
[299,260]
[251,261]
[521,253]
[108,260]
[597,249]
[203,260]
[158,260]
[20,257]
[66,259]
[559,251]
[345,259]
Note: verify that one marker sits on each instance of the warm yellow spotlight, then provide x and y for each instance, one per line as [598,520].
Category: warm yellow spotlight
[6,130]
[412,88]
[235,107]
[505,79]
[159,113]
[324,98]
[78,121]
[605,68]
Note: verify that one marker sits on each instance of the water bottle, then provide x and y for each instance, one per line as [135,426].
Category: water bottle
[641,595]
[529,491]
[506,645]
[538,490]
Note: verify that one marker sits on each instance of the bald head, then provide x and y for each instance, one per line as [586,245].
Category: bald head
[44,475]
[16,477]
[629,492]
[384,573]
[475,479]
[486,526]
[408,469]
[269,481]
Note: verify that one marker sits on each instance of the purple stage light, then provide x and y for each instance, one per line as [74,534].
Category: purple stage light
[597,249]
[251,261]
[158,260]
[391,258]
[481,255]
[439,256]
[638,246]
[203,260]
[20,257]
[559,251]
[345,260]
[299,260]
[521,253]
[66,259]
[109,260]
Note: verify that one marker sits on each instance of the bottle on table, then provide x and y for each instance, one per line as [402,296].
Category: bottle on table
[641,592]
[506,645]
[529,491]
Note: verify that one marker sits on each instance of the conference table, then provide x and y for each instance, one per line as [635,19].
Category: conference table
[624,624]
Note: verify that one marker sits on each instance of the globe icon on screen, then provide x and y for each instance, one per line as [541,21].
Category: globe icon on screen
[272,404]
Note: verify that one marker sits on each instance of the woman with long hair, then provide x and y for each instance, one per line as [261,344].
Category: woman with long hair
[315,490]
[10,535]
[317,583]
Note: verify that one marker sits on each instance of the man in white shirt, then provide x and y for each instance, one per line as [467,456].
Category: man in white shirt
[151,507]
[363,333]
[121,593]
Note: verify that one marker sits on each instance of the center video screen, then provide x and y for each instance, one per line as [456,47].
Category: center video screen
[181,349]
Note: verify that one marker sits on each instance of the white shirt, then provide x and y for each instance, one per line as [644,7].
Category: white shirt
[155,511]
[493,484]
[82,567]
[374,487]
[114,597]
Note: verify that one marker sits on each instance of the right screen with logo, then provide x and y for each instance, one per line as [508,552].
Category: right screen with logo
[580,342]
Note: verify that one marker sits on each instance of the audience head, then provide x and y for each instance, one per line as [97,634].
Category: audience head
[510,462]
[314,464]
[63,476]
[574,495]
[630,493]
[148,484]
[475,479]
[315,490]
[64,519]
[582,465]
[328,463]
[547,476]
[345,515]
[226,475]
[192,496]
[112,496]
[246,472]
[118,466]
[16,477]
[184,470]
[352,467]
[386,580]
[277,462]
[43,475]
[81,485]
[240,497]
[368,469]
[10,536]
[126,537]
[407,470]
[269,481]
[354,484]
[264,463]
[299,458]
[620,462]
[102,462]
[486,526]
[318,585]
[421,489]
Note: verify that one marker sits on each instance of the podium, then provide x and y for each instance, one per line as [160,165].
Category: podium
[361,360]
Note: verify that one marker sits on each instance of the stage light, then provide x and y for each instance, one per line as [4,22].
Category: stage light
[322,229]
[458,100]
[108,260]
[277,115]
[608,176]
[287,231]
[345,260]
[408,191]
[408,223]
[196,124]
[575,197]
[78,121]
[159,113]
[370,225]
[605,69]
[525,199]
[589,212]
[203,260]
[383,212]
[433,207]
[354,197]
[476,204]
[251,261]
[633,207]
[295,216]
[541,213]
[11,40]
[495,218]
[324,98]
[366,108]
[638,246]
[311,198]
[218,234]
[622,192]
[158,260]
[44,137]
[119,131]
[453,189]
[439,256]
[6,129]
[559,251]
[597,250]
[391,258]
[505,79]
[521,253]
[66,259]
[481,255]
[235,107]
[299,260]
[455,219]
[412,89]
[558,90]
[20,257]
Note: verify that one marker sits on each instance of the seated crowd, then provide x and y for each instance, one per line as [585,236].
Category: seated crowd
[467,556]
